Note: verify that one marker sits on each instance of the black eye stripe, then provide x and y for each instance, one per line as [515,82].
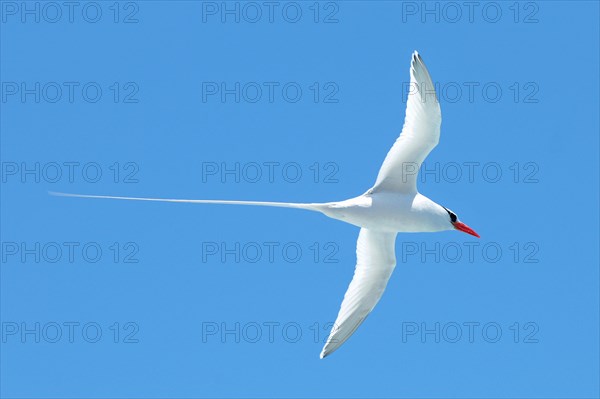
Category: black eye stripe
[453,217]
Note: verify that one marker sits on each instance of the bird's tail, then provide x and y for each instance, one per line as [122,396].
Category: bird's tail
[312,207]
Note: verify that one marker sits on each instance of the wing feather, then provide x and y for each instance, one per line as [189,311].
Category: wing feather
[376,259]
[420,134]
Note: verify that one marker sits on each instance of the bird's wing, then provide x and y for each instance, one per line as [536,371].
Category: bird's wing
[420,134]
[376,259]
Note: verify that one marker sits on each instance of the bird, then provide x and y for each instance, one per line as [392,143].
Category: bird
[392,205]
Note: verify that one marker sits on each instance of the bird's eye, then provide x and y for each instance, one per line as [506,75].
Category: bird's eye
[453,217]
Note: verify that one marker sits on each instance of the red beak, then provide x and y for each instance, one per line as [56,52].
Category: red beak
[464,228]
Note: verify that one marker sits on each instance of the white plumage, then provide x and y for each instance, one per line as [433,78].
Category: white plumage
[392,205]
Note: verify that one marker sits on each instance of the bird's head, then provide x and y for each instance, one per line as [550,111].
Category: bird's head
[458,225]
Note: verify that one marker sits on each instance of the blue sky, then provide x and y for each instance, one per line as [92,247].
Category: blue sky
[294,102]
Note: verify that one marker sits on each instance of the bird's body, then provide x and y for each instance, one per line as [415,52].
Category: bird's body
[389,212]
[393,205]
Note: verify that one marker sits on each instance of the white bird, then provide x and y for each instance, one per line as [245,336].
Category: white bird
[391,206]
